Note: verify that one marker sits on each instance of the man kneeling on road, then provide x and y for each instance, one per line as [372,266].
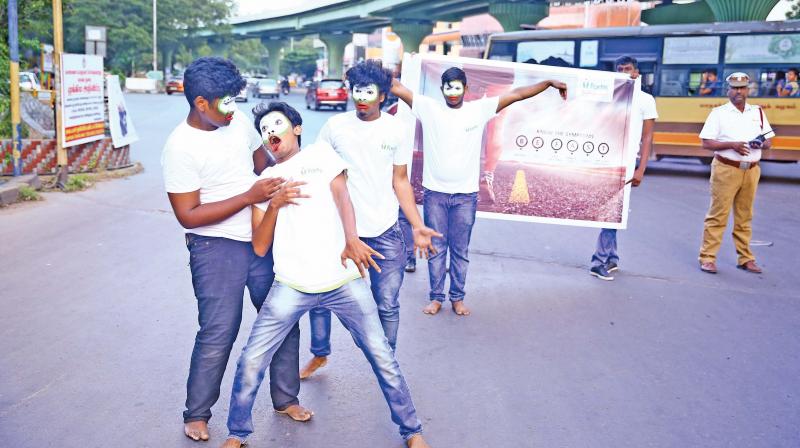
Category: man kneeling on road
[319,262]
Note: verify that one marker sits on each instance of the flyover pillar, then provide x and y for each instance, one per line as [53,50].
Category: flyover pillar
[741,10]
[274,47]
[336,44]
[411,34]
[512,15]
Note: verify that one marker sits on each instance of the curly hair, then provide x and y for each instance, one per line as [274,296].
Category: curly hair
[369,72]
[277,106]
[211,78]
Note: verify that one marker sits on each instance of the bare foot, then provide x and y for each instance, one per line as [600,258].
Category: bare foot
[297,413]
[232,443]
[416,441]
[460,308]
[316,362]
[432,308]
[196,430]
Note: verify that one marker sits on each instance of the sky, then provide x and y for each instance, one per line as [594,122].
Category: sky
[255,7]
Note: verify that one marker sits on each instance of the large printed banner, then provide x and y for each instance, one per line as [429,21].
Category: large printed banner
[554,161]
[119,123]
[82,105]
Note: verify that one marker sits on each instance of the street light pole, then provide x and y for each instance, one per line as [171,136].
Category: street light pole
[155,53]
[13,51]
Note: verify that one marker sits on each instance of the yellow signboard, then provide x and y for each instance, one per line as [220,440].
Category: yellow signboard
[780,111]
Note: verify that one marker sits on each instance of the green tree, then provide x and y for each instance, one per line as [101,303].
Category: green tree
[302,60]
[794,13]
[247,54]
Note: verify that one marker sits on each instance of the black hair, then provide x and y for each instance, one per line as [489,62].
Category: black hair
[794,69]
[711,70]
[454,74]
[625,60]
[369,72]
[277,106]
[212,78]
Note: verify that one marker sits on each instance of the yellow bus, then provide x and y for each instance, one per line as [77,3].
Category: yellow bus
[679,64]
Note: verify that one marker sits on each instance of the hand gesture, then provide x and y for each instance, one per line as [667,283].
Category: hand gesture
[263,190]
[638,175]
[742,148]
[562,88]
[361,254]
[287,194]
[422,241]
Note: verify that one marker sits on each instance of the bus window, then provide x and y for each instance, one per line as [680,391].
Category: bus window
[674,82]
[770,80]
[704,82]
[753,73]
[559,53]
[502,51]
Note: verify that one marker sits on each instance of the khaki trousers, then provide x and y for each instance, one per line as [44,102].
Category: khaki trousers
[736,188]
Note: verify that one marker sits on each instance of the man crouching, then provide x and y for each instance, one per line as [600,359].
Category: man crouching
[319,262]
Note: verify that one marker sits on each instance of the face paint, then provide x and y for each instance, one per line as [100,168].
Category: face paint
[273,127]
[365,94]
[453,89]
[227,106]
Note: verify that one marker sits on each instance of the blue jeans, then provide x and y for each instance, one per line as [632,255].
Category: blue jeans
[221,269]
[606,248]
[356,310]
[452,215]
[408,238]
[385,289]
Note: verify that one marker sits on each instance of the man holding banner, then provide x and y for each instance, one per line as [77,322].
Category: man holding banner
[605,259]
[452,134]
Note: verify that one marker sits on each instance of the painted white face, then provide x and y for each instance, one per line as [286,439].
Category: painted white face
[453,88]
[365,94]
[227,105]
[274,123]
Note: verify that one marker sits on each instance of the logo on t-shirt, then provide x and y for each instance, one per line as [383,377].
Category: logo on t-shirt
[471,128]
[305,171]
[388,147]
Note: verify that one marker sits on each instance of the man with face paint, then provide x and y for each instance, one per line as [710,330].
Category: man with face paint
[452,135]
[320,262]
[210,162]
[377,150]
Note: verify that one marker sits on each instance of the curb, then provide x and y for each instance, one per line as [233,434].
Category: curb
[9,191]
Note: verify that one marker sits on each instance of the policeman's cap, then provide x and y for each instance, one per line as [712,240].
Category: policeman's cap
[738,79]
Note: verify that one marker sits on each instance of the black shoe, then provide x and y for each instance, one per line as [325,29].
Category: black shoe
[611,267]
[601,273]
[411,266]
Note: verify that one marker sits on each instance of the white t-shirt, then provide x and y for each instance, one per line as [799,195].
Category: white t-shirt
[309,238]
[645,111]
[726,124]
[371,150]
[219,163]
[451,141]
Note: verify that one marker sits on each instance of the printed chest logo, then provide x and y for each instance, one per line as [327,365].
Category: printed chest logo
[310,171]
[471,128]
[388,147]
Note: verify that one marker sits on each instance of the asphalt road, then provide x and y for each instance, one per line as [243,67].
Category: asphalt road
[99,317]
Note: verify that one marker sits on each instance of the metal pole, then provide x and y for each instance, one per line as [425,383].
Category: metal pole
[58,49]
[13,50]
[155,56]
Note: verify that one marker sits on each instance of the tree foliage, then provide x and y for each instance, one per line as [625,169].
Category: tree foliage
[794,13]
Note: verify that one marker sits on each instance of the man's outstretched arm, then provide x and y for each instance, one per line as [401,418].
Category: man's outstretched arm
[405,196]
[402,92]
[192,214]
[354,248]
[525,92]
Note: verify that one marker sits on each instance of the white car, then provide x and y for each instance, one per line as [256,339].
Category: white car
[267,88]
[29,82]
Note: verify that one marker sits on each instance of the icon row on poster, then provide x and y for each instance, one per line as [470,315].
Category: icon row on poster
[557,144]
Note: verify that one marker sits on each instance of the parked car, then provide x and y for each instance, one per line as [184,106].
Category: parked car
[29,82]
[327,92]
[267,87]
[174,85]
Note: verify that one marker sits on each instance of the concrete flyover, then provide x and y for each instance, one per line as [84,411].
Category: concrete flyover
[335,21]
